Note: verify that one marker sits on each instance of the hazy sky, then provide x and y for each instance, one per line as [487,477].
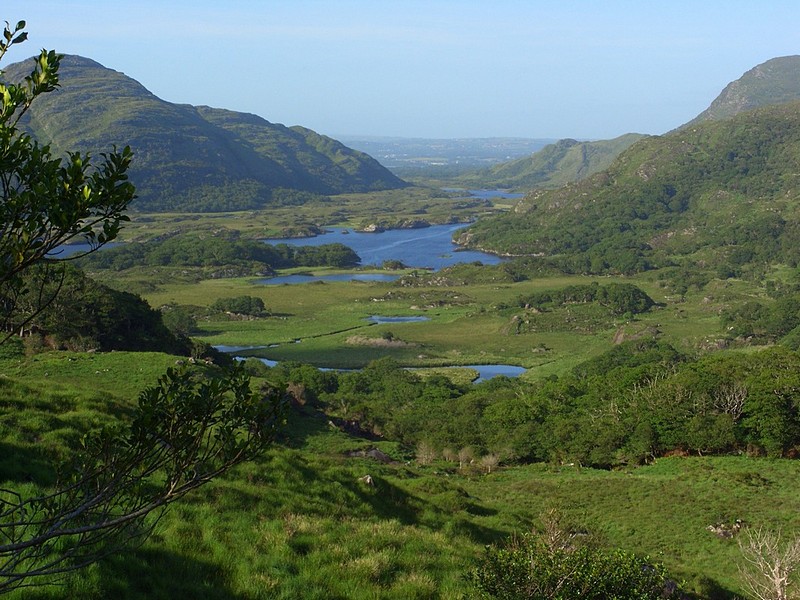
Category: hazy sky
[428,68]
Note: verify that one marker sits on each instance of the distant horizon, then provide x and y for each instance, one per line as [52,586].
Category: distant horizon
[427,69]
[378,137]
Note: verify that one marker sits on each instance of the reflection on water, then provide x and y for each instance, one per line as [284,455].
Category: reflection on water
[485,372]
[380,320]
[488,371]
[427,248]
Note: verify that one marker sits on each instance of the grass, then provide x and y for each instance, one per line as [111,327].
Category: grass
[468,325]
[297,522]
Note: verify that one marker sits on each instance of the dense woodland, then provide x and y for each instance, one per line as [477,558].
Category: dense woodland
[639,401]
[221,250]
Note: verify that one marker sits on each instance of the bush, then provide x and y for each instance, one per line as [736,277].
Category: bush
[528,569]
[242,305]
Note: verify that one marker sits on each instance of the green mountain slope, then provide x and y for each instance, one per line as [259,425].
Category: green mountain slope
[726,191]
[773,82]
[557,164]
[192,158]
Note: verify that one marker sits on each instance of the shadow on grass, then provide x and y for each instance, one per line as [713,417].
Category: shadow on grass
[144,573]
[25,465]
[151,573]
[384,499]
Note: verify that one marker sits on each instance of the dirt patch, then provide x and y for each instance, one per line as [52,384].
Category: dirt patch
[360,340]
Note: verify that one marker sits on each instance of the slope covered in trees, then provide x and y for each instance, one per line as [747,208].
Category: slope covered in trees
[192,158]
[723,191]
[222,249]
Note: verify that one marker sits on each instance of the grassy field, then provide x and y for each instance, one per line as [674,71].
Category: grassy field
[472,324]
[297,522]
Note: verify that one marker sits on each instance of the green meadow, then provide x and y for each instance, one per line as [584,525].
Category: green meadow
[298,522]
[472,324]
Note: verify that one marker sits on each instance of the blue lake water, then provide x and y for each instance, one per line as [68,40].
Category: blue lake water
[427,248]
[381,320]
[485,372]
[68,250]
[488,371]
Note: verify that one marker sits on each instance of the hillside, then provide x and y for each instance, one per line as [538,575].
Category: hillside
[192,158]
[724,191]
[773,82]
[557,164]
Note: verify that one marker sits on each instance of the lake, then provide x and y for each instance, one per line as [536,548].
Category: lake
[428,248]
[67,250]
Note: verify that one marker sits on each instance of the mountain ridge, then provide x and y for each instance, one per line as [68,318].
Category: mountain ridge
[565,161]
[774,81]
[190,158]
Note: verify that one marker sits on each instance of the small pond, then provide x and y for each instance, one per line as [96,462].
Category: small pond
[485,372]
[381,320]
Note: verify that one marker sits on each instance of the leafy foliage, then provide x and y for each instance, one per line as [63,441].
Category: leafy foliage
[561,564]
[527,570]
[45,201]
[620,298]
[242,305]
[187,429]
[88,315]
[223,249]
[641,400]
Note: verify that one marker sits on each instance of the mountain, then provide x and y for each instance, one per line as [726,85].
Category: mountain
[557,164]
[567,161]
[189,158]
[722,193]
[773,82]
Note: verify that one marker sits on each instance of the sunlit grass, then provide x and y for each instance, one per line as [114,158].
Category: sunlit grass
[297,522]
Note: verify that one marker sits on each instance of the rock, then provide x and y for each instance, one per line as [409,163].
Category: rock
[373,453]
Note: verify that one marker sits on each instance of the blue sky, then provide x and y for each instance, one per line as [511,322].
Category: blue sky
[428,68]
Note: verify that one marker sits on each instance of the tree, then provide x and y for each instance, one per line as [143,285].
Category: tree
[769,565]
[191,426]
[44,201]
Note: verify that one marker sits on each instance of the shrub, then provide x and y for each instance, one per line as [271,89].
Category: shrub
[529,569]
